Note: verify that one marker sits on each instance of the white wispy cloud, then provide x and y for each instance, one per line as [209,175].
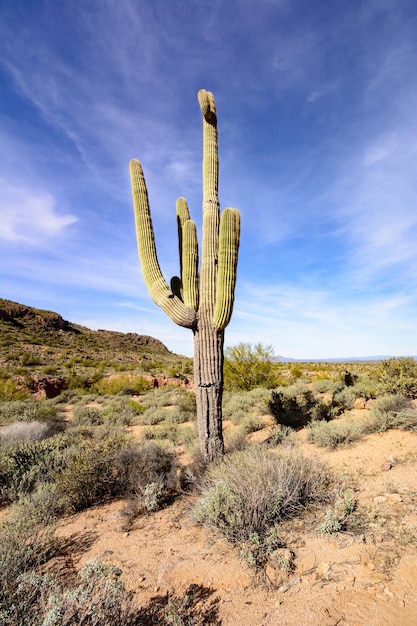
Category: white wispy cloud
[30,217]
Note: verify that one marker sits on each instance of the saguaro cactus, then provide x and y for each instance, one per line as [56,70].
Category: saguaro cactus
[199,300]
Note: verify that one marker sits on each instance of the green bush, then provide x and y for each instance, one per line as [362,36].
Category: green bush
[398,376]
[252,490]
[124,384]
[247,366]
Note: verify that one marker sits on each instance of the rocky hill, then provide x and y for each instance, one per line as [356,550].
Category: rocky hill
[35,344]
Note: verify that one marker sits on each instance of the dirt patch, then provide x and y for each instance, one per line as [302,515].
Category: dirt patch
[367,575]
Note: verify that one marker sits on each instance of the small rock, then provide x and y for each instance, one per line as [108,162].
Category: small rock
[126,534]
[323,570]
[394,497]
[386,466]
[371,566]
[380,499]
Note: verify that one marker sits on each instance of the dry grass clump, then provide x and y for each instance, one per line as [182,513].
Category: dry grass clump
[254,489]
[33,431]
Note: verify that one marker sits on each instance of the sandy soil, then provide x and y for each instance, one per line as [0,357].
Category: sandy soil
[365,576]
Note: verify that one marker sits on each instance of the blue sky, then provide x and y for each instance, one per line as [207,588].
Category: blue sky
[317,110]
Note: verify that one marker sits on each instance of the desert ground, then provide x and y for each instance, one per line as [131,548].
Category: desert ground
[366,575]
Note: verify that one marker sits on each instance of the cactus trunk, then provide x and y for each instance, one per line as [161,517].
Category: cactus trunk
[201,301]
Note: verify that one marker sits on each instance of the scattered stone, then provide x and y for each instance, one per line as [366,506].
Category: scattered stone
[371,566]
[380,499]
[394,497]
[386,466]
[323,570]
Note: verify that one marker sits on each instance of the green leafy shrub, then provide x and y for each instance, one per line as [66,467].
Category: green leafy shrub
[398,376]
[247,366]
[252,490]
[123,384]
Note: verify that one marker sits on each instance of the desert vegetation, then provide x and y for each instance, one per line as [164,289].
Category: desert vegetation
[120,438]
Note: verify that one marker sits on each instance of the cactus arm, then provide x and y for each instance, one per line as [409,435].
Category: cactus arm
[158,289]
[226,275]
[211,211]
[188,249]
[190,265]
[210,147]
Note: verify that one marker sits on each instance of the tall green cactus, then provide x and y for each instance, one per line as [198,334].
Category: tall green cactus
[201,301]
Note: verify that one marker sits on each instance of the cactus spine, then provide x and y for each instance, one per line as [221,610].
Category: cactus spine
[201,301]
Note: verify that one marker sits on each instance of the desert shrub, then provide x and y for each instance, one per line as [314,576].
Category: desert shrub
[392,412]
[343,400]
[28,410]
[26,541]
[251,424]
[239,404]
[338,518]
[150,476]
[97,599]
[137,407]
[176,415]
[13,389]
[291,409]
[25,464]
[68,396]
[87,415]
[252,490]
[398,376]
[280,435]
[334,434]
[153,415]
[124,384]
[247,366]
[186,402]
[118,413]
[321,411]
[326,385]
[91,473]
[160,432]
[33,431]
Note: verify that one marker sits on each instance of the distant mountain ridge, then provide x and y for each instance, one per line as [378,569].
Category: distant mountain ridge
[350,359]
